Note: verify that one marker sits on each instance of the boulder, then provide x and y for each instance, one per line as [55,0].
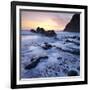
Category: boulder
[72,73]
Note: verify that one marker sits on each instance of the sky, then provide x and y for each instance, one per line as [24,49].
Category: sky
[47,20]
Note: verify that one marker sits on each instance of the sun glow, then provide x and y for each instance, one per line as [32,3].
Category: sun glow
[46,20]
[47,25]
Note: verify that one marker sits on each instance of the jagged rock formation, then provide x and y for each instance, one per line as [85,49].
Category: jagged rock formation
[40,30]
[49,33]
[74,24]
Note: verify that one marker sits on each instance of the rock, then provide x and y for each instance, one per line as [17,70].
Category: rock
[78,38]
[32,30]
[59,58]
[78,68]
[65,70]
[34,62]
[50,33]
[71,41]
[74,24]
[44,57]
[40,30]
[46,46]
[74,51]
[72,73]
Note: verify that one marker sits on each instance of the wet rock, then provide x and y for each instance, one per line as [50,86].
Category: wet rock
[78,38]
[71,41]
[78,68]
[65,71]
[32,64]
[70,50]
[35,62]
[59,58]
[47,46]
[72,73]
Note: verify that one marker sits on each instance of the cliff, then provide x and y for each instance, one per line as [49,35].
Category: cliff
[74,24]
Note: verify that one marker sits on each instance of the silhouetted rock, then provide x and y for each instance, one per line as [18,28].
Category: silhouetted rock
[40,30]
[32,30]
[74,24]
[72,73]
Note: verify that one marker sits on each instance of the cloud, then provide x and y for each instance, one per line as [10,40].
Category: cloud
[47,20]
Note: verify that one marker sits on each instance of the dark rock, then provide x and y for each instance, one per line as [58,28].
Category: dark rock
[56,73]
[78,68]
[71,41]
[44,57]
[72,73]
[46,46]
[32,30]
[65,70]
[74,37]
[74,24]
[35,62]
[60,64]
[59,58]
[40,30]
[50,33]
[71,50]
[78,38]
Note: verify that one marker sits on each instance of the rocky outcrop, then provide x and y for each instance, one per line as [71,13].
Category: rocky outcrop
[35,62]
[49,33]
[40,30]
[74,24]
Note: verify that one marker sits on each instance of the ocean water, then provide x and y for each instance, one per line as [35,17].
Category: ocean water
[43,56]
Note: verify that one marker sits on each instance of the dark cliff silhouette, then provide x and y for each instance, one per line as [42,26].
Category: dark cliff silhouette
[74,24]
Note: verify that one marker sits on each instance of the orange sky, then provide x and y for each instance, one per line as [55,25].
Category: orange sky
[46,20]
